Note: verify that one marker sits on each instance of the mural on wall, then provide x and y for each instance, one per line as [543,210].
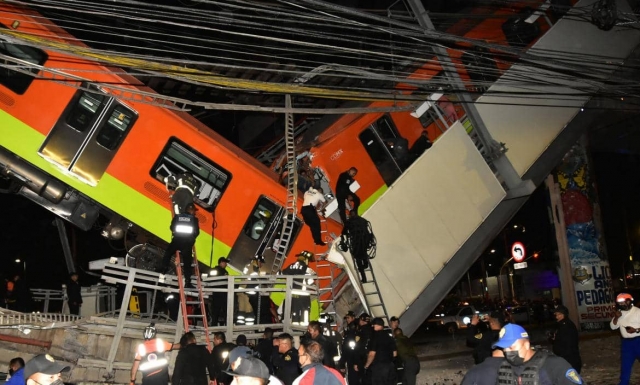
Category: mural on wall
[587,251]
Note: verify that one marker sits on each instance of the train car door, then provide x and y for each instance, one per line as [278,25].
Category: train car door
[373,139]
[88,134]
[259,233]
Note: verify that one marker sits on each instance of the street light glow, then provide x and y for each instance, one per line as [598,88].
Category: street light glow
[18,261]
[493,251]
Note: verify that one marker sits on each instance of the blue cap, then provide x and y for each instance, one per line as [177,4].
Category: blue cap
[509,334]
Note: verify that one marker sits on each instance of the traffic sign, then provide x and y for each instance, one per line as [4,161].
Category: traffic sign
[518,252]
[521,265]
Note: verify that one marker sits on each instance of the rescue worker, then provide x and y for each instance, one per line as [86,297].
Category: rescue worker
[193,363]
[258,227]
[314,332]
[74,294]
[248,301]
[184,230]
[219,299]
[565,338]
[300,298]
[348,357]
[627,319]
[184,187]
[482,334]
[381,352]
[44,370]
[358,239]
[422,144]
[313,202]
[343,192]
[285,359]
[408,356]
[151,359]
[522,365]
[220,356]
[362,341]
[399,148]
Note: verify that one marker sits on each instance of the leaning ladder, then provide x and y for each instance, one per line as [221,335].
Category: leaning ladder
[326,283]
[372,295]
[292,192]
[186,298]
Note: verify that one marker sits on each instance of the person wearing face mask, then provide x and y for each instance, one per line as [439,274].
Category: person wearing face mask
[627,319]
[521,365]
[44,370]
[16,371]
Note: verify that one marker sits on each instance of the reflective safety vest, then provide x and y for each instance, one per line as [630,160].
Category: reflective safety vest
[152,356]
[530,375]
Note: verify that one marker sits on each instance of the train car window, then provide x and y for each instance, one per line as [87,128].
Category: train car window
[115,128]
[385,128]
[260,219]
[177,158]
[19,82]
[82,115]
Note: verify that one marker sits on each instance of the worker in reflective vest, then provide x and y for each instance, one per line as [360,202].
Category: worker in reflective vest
[185,187]
[151,359]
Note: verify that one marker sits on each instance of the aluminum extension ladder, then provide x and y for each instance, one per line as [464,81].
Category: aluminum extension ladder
[372,294]
[289,219]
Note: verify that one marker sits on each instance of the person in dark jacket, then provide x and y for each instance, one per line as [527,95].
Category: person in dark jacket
[481,335]
[565,338]
[74,294]
[21,294]
[285,359]
[193,364]
[184,229]
[407,354]
[399,148]
[314,331]
[220,356]
[422,144]
[264,348]
[343,192]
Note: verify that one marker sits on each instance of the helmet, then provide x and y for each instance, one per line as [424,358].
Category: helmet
[623,297]
[150,331]
[265,213]
[306,254]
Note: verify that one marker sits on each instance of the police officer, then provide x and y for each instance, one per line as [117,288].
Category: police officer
[315,332]
[362,342]
[522,365]
[381,352]
[184,229]
[627,319]
[343,192]
[482,334]
[185,188]
[285,359]
[220,356]
[565,338]
[300,299]
[219,299]
[151,359]
[348,359]
[193,363]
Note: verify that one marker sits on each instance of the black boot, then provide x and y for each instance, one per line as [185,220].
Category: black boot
[363,276]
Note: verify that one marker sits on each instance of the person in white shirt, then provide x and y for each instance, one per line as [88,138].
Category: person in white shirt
[313,202]
[627,319]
